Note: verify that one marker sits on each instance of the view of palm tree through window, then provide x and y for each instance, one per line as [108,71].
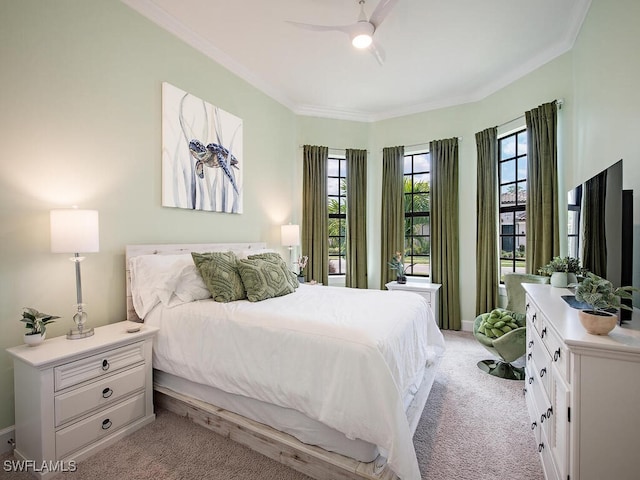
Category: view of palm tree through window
[512,180]
[417,229]
[337,208]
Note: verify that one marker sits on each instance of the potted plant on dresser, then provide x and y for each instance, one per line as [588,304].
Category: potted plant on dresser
[563,271]
[36,322]
[604,300]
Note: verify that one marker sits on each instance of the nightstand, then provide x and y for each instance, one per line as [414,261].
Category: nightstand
[427,290]
[75,397]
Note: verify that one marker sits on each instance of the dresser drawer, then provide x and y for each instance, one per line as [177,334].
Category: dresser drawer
[558,353]
[88,368]
[85,432]
[77,402]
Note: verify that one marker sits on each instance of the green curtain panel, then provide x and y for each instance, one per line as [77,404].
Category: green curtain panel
[392,210]
[445,241]
[315,242]
[594,249]
[543,240]
[487,258]
[356,219]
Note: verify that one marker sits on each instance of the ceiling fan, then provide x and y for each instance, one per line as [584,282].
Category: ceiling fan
[361,32]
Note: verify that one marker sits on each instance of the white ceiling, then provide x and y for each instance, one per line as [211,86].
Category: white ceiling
[439,53]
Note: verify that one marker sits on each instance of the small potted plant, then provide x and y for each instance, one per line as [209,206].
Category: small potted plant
[397,265]
[302,263]
[563,271]
[604,301]
[36,322]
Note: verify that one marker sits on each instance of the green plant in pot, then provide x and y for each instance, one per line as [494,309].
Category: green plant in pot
[604,300]
[36,323]
[563,271]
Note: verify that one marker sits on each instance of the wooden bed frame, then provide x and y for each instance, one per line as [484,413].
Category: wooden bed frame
[311,460]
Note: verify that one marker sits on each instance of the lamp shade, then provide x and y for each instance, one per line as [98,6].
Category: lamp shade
[74,231]
[290,235]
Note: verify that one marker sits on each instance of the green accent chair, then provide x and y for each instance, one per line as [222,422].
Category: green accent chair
[512,345]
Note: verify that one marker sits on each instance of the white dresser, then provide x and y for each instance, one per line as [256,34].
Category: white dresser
[428,290]
[74,397]
[582,391]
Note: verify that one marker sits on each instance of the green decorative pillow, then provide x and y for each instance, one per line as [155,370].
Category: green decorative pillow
[264,279]
[275,259]
[219,270]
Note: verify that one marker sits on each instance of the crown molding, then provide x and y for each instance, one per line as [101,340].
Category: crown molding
[151,11]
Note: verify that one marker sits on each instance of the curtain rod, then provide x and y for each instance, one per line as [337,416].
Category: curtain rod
[338,148]
[559,103]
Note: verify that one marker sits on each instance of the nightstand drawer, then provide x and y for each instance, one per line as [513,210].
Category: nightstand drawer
[97,365]
[107,390]
[76,436]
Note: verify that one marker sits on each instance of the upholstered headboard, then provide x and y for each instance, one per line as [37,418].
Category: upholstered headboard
[175,249]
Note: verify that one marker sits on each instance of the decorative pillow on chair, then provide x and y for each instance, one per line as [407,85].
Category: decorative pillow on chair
[275,259]
[264,279]
[219,271]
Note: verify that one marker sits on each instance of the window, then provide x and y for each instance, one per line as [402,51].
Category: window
[573,227]
[337,207]
[512,180]
[417,191]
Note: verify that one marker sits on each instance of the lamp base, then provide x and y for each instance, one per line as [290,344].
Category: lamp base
[76,334]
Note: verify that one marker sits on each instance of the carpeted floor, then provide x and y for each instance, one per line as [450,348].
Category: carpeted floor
[474,427]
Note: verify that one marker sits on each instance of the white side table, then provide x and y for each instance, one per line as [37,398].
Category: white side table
[428,290]
[75,397]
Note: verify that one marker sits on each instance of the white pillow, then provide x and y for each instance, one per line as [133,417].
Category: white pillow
[167,279]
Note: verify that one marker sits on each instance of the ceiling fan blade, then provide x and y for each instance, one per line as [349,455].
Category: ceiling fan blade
[323,28]
[377,52]
[381,11]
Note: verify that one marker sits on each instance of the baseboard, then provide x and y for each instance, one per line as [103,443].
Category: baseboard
[7,435]
[467,325]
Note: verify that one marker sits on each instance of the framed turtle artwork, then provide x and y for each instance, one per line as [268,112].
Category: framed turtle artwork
[201,154]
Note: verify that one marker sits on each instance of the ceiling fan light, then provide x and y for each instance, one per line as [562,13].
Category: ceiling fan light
[362,40]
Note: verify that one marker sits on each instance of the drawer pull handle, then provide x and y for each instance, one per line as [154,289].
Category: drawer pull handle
[106,424]
[556,355]
[543,417]
[529,357]
[540,447]
[105,365]
[530,343]
[549,412]
[530,380]
[107,392]
[524,391]
[543,333]
[543,371]
[526,308]
[533,319]
[534,425]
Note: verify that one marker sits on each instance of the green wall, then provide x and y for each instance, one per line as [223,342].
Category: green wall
[80,124]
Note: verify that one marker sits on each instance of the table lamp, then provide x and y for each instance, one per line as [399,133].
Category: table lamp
[76,231]
[290,237]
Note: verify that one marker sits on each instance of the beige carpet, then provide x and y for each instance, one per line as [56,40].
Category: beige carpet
[474,427]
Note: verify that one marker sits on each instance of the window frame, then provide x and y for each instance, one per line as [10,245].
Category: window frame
[341,216]
[519,206]
[409,255]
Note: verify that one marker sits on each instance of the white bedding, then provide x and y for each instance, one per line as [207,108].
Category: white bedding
[344,357]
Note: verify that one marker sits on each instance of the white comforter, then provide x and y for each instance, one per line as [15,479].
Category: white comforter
[344,357]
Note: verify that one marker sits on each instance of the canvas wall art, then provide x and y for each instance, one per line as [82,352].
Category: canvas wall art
[201,154]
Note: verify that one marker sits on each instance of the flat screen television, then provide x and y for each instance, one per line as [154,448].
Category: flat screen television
[600,227]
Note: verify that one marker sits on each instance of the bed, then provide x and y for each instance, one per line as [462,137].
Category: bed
[330,381]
